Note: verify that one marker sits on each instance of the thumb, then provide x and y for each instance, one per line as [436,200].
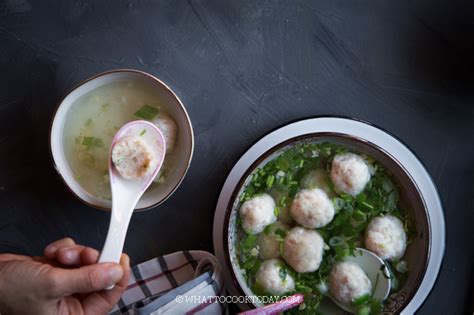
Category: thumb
[85,279]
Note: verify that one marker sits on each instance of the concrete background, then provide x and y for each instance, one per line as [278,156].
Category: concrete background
[241,68]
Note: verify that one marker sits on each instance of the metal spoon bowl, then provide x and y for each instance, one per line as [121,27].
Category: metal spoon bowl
[376,271]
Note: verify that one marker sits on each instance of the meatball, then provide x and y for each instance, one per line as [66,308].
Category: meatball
[168,128]
[257,213]
[273,278]
[312,208]
[348,282]
[303,249]
[133,158]
[317,179]
[349,173]
[386,237]
[268,241]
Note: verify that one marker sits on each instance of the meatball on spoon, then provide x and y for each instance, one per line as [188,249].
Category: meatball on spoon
[376,271]
[136,156]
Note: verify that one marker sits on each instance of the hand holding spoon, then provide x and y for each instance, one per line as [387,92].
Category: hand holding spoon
[130,175]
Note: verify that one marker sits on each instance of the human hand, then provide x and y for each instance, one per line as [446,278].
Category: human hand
[66,280]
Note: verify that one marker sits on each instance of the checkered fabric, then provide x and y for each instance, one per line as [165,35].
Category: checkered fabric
[163,278]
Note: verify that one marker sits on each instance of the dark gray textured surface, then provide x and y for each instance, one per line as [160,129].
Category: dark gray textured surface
[241,68]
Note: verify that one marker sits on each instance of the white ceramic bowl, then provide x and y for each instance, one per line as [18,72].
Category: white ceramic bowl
[184,146]
[405,304]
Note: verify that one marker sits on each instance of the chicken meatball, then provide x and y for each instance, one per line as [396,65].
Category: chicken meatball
[349,173]
[312,208]
[348,282]
[269,241]
[168,128]
[257,213]
[317,179]
[273,278]
[386,237]
[303,249]
[133,158]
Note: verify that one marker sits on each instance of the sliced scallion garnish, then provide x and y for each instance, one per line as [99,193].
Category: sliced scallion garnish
[147,112]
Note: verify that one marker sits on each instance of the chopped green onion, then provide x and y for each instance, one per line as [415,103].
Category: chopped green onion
[280,232]
[105,106]
[363,310]
[270,181]
[267,229]
[250,241]
[368,205]
[303,288]
[276,211]
[142,132]
[361,300]
[90,142]
[361,197]
[282,202]
[98,142]
[301,163]
[147,112]
[359,215]
[376,306]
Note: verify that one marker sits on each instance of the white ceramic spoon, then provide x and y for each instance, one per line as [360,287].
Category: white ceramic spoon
[372,266]
[127,192]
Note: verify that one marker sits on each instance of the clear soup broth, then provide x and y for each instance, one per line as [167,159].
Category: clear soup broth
[92,122]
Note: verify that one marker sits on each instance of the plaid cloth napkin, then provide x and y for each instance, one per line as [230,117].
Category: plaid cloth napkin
[178,283]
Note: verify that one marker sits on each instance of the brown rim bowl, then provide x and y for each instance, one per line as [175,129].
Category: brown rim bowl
[184,146]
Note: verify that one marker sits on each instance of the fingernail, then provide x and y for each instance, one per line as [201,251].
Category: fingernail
[68,255]
[95,253]
[51,249]
[116,273]
[125,260]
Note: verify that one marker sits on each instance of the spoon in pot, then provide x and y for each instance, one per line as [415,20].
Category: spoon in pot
[376,271]
[127,192]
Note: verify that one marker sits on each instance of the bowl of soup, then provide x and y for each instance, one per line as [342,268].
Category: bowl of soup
[87,119]
[307,207]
